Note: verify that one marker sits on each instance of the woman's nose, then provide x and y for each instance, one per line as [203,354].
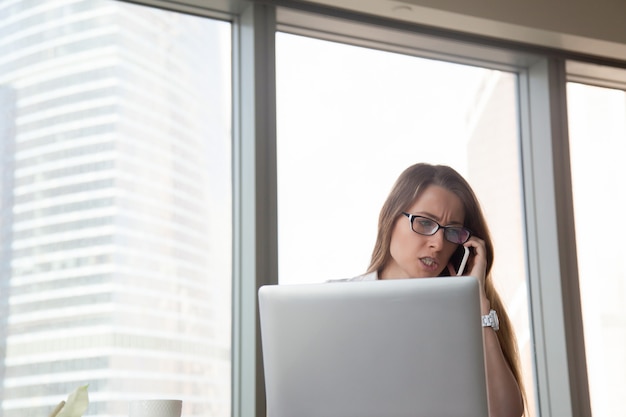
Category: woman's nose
[436,240]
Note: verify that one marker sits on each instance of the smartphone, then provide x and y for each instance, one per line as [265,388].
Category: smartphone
[458,260]
[461,268]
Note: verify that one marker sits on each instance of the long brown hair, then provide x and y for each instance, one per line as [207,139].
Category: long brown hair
[407,188]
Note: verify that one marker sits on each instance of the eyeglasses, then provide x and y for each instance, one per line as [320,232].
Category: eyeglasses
[428,227]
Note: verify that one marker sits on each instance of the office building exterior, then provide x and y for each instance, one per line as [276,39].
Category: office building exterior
[111,274]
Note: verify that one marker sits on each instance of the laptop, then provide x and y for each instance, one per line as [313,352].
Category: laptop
[393,348]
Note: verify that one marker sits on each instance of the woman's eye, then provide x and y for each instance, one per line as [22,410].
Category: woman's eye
[426,223]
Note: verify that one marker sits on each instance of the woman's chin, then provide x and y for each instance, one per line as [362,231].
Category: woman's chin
[429,273]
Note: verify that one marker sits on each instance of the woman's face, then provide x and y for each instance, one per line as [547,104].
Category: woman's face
[419,256]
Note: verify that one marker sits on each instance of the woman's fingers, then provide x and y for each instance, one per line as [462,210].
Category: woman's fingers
[477,263]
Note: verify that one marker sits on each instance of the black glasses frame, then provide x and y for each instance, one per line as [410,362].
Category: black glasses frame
[445,228]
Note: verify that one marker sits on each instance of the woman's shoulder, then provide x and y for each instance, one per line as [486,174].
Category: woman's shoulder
[370,276]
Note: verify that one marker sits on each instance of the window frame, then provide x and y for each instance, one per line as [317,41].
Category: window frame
[554,304]
[597,75]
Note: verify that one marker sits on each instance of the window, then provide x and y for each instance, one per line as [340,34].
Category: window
[597,124]
[351,119]
[116,207]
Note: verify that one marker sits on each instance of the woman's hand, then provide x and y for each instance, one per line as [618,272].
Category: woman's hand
[477,262]
[476,267]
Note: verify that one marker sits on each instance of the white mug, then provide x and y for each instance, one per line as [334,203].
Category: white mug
[155,408]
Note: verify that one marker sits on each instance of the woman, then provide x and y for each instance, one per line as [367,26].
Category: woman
[430,212]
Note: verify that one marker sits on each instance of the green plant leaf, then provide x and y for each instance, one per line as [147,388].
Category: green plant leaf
[76,404]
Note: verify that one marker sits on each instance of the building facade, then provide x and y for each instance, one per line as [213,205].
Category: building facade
[113,267]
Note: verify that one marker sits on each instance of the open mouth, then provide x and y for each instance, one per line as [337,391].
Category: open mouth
[429,262]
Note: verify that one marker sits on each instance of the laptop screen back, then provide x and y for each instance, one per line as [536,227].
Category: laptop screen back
[394,348]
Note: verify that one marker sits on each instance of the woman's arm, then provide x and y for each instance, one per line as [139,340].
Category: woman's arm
[503,391]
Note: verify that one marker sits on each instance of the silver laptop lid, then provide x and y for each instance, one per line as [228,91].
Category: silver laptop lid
[394,348]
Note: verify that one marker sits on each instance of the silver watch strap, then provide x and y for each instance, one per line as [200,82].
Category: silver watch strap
[491,320]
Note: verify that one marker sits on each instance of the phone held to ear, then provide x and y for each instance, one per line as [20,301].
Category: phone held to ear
[463,261]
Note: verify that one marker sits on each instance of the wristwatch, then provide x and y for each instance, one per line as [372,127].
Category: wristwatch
[491,320]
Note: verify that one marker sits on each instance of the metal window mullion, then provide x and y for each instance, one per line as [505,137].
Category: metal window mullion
[254,207]
[554,299]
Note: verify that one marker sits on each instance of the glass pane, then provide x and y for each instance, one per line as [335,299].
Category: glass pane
[597,124]
[115,207]
[350,119]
